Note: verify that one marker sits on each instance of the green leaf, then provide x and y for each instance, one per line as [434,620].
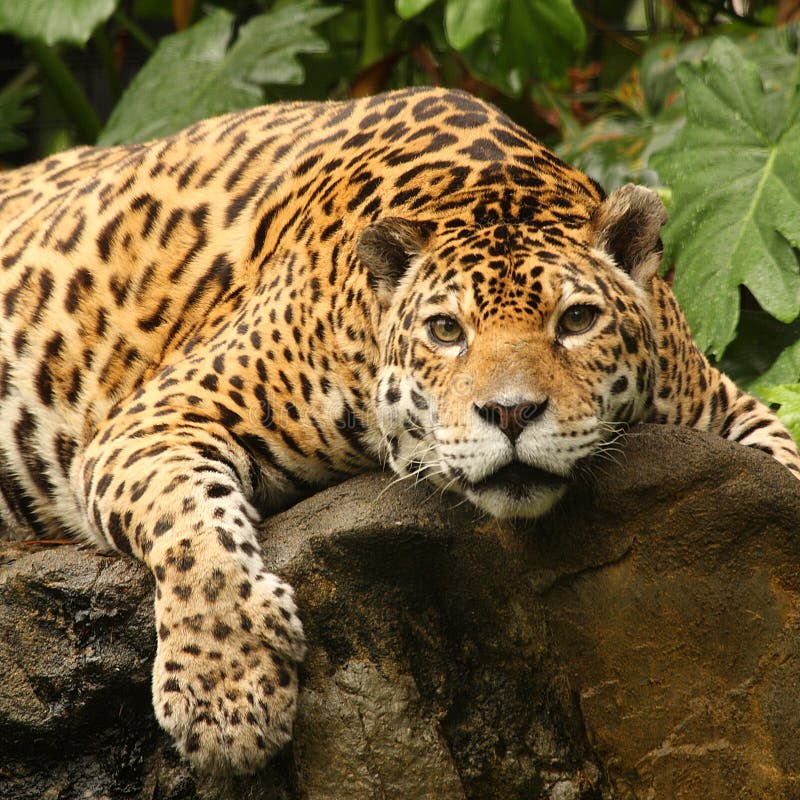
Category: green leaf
[658,71]
[615,150]
[280,37]
[196,74]
[775,51]
[542,37]
[736,200]
[537,38]
[12,112]
[410,8]
[785,369]
[758,347]
[466,20]
[788,395]
[68,21]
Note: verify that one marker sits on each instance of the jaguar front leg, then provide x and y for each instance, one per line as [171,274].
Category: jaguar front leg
[694,393]
[741,418]
[171,489]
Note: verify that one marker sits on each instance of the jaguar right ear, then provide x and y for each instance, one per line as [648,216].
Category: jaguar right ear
[387,247]
[628,225]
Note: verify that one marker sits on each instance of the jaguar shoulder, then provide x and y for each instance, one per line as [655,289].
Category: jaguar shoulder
[196,331]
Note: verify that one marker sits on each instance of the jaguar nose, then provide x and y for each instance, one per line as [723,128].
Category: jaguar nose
[513,419]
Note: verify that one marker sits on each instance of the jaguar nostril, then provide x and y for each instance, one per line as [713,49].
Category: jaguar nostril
[529,411]
[512,419]
[493,413]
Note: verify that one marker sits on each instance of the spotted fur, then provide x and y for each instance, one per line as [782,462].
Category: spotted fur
[197,331]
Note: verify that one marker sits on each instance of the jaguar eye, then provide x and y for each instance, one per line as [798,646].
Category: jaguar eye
[577,319]
[445,330]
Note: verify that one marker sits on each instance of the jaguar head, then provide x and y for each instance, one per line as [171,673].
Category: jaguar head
[511,352]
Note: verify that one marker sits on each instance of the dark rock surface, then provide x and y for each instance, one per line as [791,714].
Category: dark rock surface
[643,641]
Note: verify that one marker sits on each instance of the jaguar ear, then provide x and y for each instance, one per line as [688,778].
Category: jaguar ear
[628,224]
[386,249]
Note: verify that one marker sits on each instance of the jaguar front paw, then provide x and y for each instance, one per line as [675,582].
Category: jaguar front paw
[225,675]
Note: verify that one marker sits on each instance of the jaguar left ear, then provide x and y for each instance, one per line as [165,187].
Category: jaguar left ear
[628,225]
[387,247]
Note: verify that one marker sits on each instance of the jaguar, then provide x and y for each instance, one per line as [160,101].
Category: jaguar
[198,331]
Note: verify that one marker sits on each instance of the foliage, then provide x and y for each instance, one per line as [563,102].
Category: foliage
[506,41]
[735,216]
[70,21]
[714,124]
[699,99]
[13,112]
[212,72]
[788,396]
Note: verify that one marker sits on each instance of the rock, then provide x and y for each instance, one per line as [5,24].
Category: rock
[640,642]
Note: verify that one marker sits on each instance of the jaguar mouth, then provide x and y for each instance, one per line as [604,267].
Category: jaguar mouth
[518,479]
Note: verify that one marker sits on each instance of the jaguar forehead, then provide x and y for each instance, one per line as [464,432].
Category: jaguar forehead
[505,267]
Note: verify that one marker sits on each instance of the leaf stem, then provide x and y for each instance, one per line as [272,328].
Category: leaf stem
[374,33]
[67,90]
[106,55]
[22,79]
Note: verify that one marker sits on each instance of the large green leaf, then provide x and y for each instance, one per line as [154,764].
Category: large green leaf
[196,74]
[53,21]
[537,38]
[735,215]
[788,396]
[466,20]
[540,38]
[280,37]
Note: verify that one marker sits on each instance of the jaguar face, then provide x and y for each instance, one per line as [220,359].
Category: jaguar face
[507,360]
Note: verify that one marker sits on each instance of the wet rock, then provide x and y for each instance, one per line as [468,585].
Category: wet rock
[640,642]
